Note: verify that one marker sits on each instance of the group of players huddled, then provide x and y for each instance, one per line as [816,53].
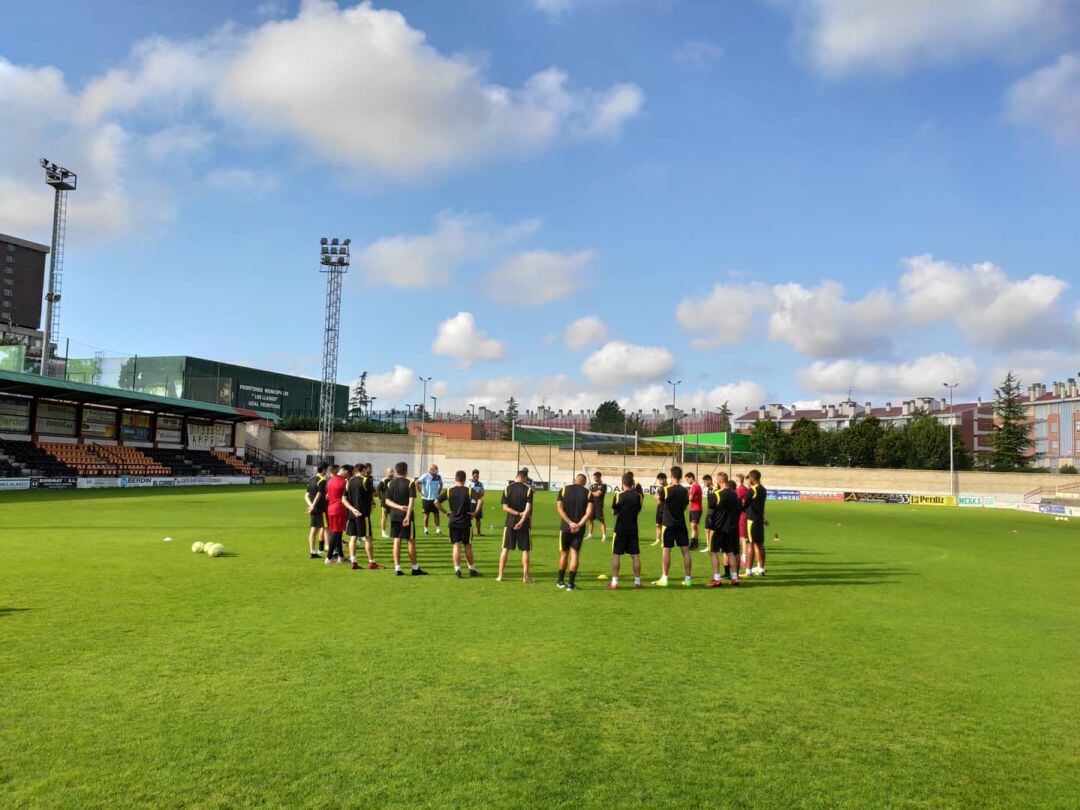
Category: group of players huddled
[341,500]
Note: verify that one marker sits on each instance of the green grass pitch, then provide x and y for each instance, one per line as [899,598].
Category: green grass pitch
[894,656]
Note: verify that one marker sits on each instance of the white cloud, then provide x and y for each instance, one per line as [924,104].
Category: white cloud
[1049,99]
[459,337]
[923,376]
[400,107]
[242,181]
[538,277]
[392,385]
[819,322]
[991,309]
[585,332]
[426,260]
[725,315]
[177,141]
[618,363]
[847,36]
[697,52]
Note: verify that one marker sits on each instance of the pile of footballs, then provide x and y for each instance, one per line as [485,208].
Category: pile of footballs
[209,549]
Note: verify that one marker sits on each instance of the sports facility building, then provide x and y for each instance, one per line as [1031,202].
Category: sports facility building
[1054,413]
[56,434]
[199,380]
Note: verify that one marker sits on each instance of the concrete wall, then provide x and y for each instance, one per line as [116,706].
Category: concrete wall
[497,462]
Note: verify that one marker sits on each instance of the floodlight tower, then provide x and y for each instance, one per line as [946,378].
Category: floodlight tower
[334,261]
[62,180]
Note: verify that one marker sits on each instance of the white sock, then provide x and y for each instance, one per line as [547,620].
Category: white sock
[397,567]
[472,567]
[352,558]
[686,579]
[614,580]
[415,567]
[716,577]
[457,567]
[663,578]
[637,580]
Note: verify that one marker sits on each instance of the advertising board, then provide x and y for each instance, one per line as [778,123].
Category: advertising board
[14,415]
[821,495]
[933,500]
[783,494]
[98,423]
[54,419]
[877,497]
[14,483]
[986,501]
[59,482]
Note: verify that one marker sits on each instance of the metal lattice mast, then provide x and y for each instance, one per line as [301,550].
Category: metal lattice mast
[62,180]
[334,261]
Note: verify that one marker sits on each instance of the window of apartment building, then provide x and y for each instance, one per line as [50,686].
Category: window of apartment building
[7,293]
[9,259]
[10,248]
[9,270]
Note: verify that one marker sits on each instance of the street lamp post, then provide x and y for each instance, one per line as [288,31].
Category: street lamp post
[674,411]
[952,462]
[423,418]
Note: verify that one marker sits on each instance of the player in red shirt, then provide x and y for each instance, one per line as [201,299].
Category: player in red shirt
[336,512]
[741,490]
[696,495]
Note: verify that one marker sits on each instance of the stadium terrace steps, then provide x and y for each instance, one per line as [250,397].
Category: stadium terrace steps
[26,459]
[23,459]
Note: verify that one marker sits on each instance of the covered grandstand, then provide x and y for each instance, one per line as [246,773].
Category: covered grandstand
[57,434]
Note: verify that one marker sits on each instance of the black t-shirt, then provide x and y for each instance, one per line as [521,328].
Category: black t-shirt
[755,502]
[459,501]
[399,490]
[710,500]
[383,484]
[598,492]
[627,506]
[575,500]
[358,493]
[675,499]
[313,491]
[517,496]
[725,518]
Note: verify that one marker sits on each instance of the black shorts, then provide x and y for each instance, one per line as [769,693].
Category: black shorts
[659,516]
[598,514]
[463,535]
[517,539]
[318,520]
[399,531]
[358,526]
[695,516]
[571,540]
[479,512]
[756,530]
[625,543]
[675,536]
[430,508]
[724,542]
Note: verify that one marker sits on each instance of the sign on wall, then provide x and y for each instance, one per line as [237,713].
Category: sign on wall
[54,419]
[169,430]
[98,423]
[135,427]
[877,497]
[934,500]
[205,437]
[14,415]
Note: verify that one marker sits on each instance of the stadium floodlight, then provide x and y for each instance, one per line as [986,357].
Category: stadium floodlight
[335,267]
[434,409]
[62,181]
[952,417]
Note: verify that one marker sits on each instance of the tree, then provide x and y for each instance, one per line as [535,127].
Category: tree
[358,400]
[725,417]
[609,418]
[809,445]
[928,445]
[856,445]
[1011,440]
[770,442]
[506,424]
[890,450]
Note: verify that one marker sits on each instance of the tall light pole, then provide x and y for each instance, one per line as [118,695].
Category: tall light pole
[423,418]
[334,261]
[674,411]
[62,180]
[952,416]
[434,409]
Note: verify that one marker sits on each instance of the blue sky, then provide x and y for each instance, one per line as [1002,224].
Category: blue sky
[565,199]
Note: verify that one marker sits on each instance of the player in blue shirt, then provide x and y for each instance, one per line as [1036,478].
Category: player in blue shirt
[430,484]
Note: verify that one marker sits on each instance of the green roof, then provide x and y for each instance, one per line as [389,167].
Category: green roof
[12,382]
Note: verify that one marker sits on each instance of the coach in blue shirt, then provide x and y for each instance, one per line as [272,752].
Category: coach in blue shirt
[430,487]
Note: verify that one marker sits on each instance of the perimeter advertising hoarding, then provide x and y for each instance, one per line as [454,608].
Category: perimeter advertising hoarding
[933,500]
[783,494]
[988,501]
[169,430]
[14,483]
[877,497]
[135,427]
[63,482]
[820,495]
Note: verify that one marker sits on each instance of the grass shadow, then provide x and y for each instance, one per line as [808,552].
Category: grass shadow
[4,611]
